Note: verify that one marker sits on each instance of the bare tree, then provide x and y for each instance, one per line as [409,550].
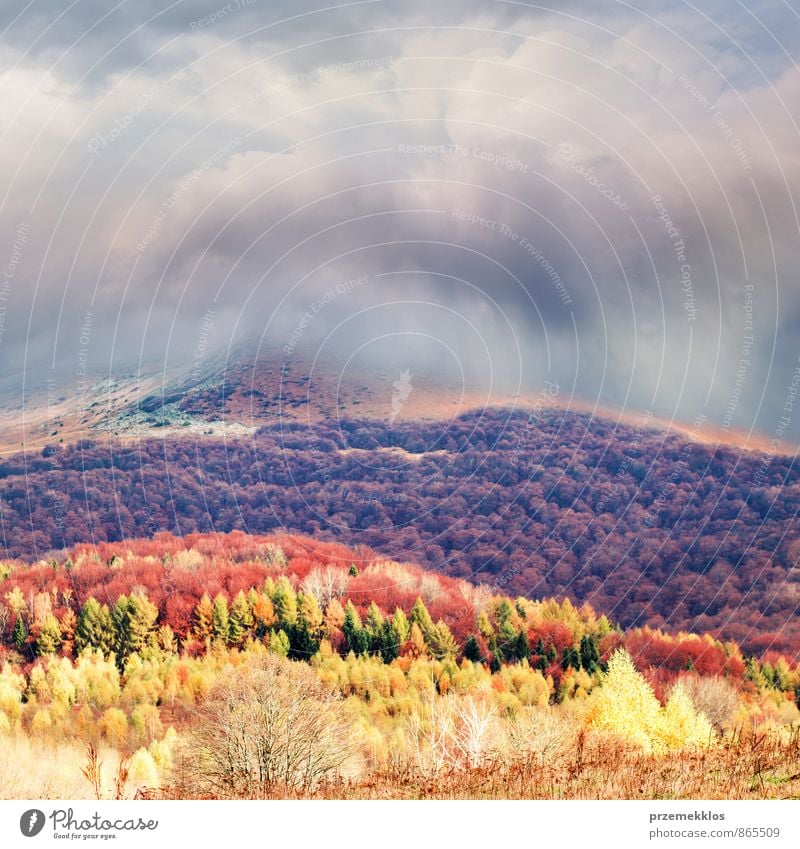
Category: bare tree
[452,732]
[325,584]
[716,697]
[473,730]
[539,733]
[268,726]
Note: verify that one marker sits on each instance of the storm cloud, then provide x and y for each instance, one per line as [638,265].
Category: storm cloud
[602,195]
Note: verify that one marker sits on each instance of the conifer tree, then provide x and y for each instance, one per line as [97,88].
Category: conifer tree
[285,602]
[68,624]
[484,626]
[541,656]
[48,640]
[334,616]
[626,705]
[440,641]
[472,651]
[590,656]
[416,642]
[373,625]
[203,618]
[263,614]
[683,725]
[20,633]
[522,650]
[240,620]
[420,616]
[220,619]
[95,628]
[279,643]
[388,646]
[571,658]
[357,638]
[401,628]
[134,619]
[507,637]
[309,626]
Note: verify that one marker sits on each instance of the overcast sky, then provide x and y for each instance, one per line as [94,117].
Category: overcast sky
[602,194]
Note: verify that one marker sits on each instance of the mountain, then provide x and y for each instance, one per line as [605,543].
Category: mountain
[647,525]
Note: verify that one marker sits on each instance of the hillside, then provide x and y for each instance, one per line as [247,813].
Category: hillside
[650,528]
[188,667]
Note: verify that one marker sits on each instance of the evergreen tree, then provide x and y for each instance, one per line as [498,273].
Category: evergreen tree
[388,646]
[505,612]
[541,656]
[440,641]
[20,633]
[373,625]
[95,628]
[220,619]
[279,643]
[571,658]
[401,628]
[590,656]
[357,638]
[203,618]
[308,630]
[48,640]
[285,602]
[134,619]
[353,570]
[507,638]
[420,616]
[472,651]
[522,650]
[241,619]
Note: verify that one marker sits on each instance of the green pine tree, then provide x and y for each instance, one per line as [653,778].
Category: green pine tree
[220,620]
[440,641]
[285,601]
[420,616]
[134,619]
[590,656]
[356,636]
[522,650]
[279,643]
[240,621]
[20,633]
[472,651]
[95,628]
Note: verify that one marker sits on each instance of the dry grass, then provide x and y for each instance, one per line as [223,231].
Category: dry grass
[35,769]
[760,766]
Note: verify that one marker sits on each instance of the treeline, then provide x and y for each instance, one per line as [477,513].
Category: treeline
[298,597]
[652,530]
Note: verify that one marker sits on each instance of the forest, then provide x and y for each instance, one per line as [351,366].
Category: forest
[649,528]
[239,666]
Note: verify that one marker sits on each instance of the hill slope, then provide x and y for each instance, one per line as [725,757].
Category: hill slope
[647,527]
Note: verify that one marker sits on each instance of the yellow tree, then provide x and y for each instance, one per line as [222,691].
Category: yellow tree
[626,706]
[683,725]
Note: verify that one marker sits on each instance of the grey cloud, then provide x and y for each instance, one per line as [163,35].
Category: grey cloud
[158,231]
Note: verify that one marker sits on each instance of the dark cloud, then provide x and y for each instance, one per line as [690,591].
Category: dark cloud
[592,190]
